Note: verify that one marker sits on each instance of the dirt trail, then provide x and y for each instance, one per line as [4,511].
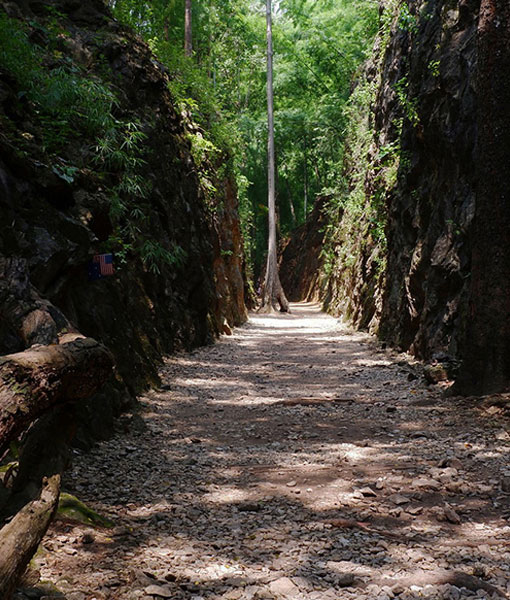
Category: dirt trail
[291,460]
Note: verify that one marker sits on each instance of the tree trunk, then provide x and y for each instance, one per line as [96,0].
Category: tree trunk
[33,381]
[21,536]
[188,39]
[291,203]
[273,294]
[486,349]
[305,166]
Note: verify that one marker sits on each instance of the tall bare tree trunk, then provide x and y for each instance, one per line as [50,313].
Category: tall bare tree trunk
[291,203]
[306,177]
[188,40]
[273,294]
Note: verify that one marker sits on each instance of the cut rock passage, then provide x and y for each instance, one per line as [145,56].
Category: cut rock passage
[292,460]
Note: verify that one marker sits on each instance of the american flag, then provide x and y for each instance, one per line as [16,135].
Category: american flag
[105,263]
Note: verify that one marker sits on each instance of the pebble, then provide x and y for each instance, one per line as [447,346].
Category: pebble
[204,497]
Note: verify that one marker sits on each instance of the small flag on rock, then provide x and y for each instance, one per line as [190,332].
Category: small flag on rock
[100,266]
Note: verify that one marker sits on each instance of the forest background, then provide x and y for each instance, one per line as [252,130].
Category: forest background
[319,47]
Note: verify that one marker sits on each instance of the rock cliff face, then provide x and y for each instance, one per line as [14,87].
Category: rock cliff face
[417,245]
[179,268]
[416,181]
[428,80]
[301,257]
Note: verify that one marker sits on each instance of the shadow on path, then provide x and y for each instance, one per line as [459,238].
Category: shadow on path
[293,449]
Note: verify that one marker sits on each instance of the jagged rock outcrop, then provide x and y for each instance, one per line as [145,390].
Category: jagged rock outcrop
[57,194]
[431,207]
[436,110]
[486,350]
[423,128]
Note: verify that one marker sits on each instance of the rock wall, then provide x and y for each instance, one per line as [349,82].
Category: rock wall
[431,207]
[300,258]
[56,210]
[416,179]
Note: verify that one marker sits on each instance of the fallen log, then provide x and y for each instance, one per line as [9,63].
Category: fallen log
[33,381]
[21,536]
[44,452]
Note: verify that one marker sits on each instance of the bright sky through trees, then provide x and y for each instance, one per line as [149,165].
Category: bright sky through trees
[319,46]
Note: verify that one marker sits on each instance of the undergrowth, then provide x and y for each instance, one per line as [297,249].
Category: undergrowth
[73,107]
[357,211]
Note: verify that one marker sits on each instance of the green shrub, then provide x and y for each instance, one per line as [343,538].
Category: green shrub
[71,104]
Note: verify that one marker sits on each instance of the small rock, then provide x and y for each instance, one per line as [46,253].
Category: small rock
[292,483]
[451,515]
[398,499]
[250,592]
[415,510]
[345,579]
[159,591]
[72,596]
[450,462]
[368,491]
[233,594]
[435,373]
[283,587]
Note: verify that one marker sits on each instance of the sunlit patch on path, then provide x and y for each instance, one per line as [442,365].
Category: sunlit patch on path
[292,459]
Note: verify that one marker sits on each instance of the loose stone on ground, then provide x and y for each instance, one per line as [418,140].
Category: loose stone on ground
[293,459]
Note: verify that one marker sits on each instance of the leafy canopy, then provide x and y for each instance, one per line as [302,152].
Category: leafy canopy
[318,47]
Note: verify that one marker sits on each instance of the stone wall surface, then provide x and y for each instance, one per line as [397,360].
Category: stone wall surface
[417,245]
[52,225]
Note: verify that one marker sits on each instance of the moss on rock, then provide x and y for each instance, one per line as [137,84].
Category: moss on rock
[69,507]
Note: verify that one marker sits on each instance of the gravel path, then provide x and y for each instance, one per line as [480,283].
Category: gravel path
[293,459]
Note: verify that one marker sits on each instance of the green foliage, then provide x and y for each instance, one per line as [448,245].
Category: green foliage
[434,67]
[319,45]
[17,56]
[65,172]
[66,100]
[408,103]
[72,104]
[356,232]
[406,20]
